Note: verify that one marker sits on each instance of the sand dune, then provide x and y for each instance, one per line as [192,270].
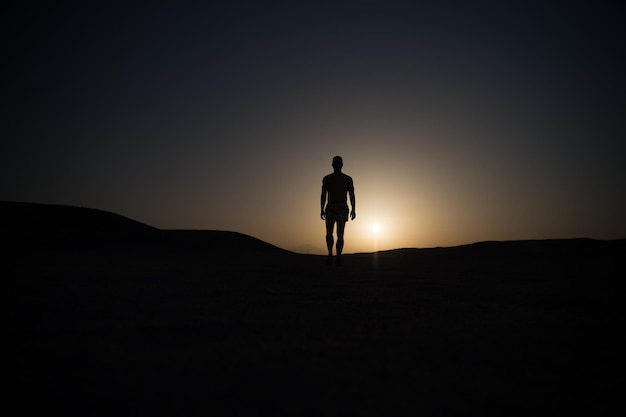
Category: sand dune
[183,328]
[57,225]
[35,224]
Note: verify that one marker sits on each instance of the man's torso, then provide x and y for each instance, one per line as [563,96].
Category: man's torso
[337,185]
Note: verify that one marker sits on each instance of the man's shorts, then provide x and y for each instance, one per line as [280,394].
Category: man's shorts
[337,212]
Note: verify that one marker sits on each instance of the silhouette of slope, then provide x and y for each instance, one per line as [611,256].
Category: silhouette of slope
[439,329]
[31,224]
[215,240]
[526,249]
[504,256]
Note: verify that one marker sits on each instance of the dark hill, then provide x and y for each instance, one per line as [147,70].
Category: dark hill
[523,249]
[33,224]
[501,256]
[516,328]
[48,225]
[215,240]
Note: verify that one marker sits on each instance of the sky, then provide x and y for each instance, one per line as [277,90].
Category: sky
[459,122]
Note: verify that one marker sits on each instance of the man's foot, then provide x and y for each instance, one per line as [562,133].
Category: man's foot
[338,261]
[329,260]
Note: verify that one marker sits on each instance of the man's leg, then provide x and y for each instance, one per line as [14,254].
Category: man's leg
[330,225]
[340,228]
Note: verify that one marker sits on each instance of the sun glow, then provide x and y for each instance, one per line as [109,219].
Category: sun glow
[375,228]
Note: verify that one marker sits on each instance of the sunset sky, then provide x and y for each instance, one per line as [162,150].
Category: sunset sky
[458,121]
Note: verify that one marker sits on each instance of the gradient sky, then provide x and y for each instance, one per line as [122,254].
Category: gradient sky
[458,121]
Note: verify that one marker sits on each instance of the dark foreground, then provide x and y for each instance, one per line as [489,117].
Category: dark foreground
[517,328]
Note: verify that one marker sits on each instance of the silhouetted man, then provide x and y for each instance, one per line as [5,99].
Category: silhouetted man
[336,186]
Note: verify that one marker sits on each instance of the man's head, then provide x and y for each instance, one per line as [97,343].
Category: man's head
[337,163]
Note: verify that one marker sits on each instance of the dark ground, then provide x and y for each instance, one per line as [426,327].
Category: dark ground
[497,328]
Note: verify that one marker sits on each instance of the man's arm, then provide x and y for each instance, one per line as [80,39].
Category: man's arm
[323,202]
[352,202]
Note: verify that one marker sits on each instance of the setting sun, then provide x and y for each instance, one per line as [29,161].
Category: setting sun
[375,228]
